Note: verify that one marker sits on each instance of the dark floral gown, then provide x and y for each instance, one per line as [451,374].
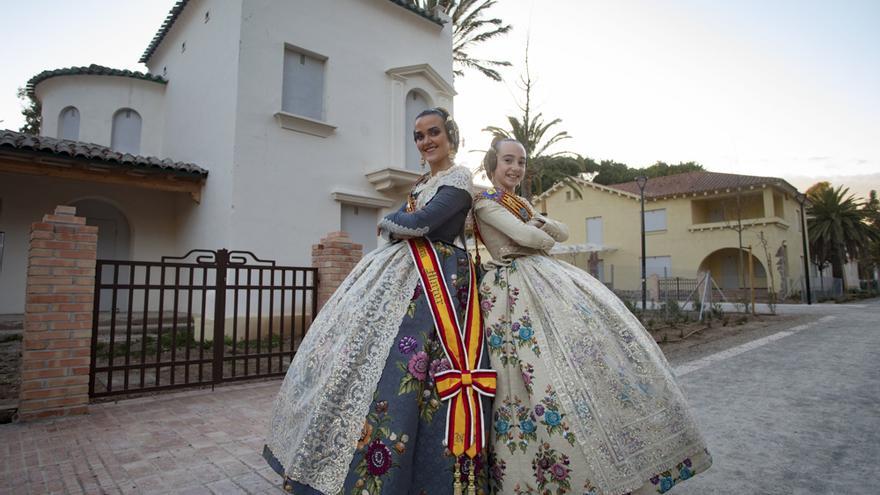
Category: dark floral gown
[400,450]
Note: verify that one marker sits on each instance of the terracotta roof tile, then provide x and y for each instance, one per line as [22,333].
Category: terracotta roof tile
[163,30]
[91,70]
[77,150]
[696,182]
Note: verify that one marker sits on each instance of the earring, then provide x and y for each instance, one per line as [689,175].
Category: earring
[423,162]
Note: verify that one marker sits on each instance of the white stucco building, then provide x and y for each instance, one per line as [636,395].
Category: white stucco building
[260,125]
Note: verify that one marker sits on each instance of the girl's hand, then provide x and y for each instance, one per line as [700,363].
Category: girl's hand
[536,222]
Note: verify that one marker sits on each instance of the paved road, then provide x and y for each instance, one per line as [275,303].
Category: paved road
[797,411]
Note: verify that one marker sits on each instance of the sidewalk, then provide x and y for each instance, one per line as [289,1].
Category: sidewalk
[782,309]
[193,442]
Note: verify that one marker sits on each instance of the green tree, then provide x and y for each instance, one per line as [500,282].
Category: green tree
[838,228]
[818,188]
[537,137]
[559,168]
[870,259]
[611,172]
[470,28]
[32,113]
[661,169]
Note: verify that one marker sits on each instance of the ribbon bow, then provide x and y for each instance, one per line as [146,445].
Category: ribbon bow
[465,381]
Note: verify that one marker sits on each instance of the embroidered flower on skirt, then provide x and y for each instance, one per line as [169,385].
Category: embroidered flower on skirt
[438,366]
[418,365]
[378,458]
[407,344]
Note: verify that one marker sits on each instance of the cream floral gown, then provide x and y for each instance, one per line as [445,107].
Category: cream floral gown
[586,402]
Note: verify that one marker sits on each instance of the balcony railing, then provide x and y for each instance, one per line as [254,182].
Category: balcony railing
[746,222]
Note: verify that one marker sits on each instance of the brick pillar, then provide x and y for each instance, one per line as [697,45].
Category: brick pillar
[334,258]
[58,316]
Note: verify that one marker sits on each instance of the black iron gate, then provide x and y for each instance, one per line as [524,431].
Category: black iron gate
[676,288]
[226,315]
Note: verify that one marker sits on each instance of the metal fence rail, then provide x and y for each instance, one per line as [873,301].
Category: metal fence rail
[676,288]
[225,316]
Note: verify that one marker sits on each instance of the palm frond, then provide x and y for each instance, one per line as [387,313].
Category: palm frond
[471,28]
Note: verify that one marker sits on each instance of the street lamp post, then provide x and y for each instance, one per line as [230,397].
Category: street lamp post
[802,199]
[641,181]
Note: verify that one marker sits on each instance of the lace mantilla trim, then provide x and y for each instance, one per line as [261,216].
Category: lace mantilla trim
[320,409]
[400,230]
[457,176]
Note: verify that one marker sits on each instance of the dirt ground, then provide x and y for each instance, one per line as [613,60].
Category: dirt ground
[717,338]
[10,362]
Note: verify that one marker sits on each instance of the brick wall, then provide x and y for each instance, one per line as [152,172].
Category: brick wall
[334,258]
[58,316]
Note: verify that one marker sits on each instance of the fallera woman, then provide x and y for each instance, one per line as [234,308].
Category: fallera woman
[586,403]
[386,394]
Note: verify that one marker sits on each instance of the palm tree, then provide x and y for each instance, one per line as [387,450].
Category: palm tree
[536,137]
[870,260]
[837,227]
[470,29]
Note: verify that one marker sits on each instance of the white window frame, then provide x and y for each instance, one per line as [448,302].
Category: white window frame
[412,161]
[62,121]
[589,239]
[120,142]
[650,215]
[287,117]
[361,235]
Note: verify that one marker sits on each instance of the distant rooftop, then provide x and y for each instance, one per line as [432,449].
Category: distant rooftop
[701,181]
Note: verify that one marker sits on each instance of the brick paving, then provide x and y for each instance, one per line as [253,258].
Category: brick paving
[802,427]
[195,442]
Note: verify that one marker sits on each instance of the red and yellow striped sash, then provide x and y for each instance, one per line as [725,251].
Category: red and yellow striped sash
[512,202]
[466,381]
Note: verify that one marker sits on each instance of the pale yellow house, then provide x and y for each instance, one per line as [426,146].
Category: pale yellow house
[693,223]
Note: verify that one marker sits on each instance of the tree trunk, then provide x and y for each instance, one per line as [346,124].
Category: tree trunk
[526,188]
[837,262]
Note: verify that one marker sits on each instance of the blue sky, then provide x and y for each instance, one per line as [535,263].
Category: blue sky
[782,88]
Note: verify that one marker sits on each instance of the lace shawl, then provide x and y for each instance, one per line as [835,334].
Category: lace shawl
[319,412]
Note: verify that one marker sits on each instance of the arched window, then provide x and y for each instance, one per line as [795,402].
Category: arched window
[126,134]
[416,101]
[68,124]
